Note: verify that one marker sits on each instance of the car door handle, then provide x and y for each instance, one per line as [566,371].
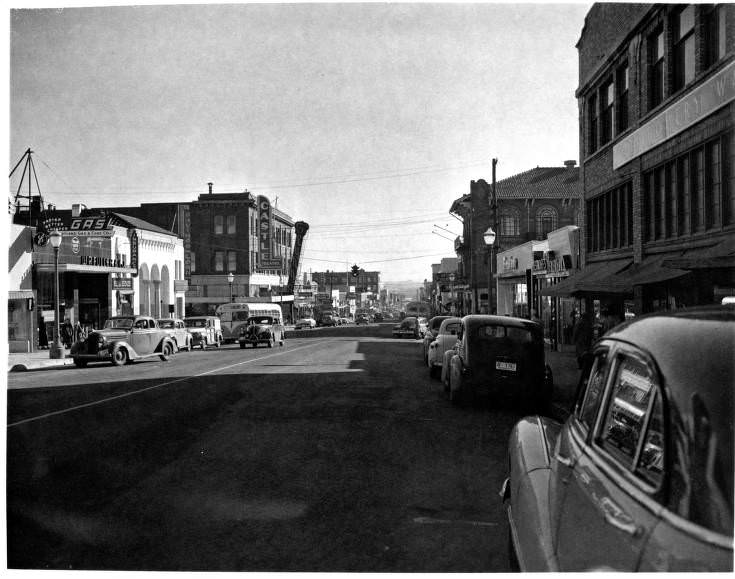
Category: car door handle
[616,517]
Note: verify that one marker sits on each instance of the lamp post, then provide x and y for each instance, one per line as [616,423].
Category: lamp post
[57,348]
[451,291]
[230,279]
[489,237]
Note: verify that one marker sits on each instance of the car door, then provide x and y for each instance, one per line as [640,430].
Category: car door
[611,502]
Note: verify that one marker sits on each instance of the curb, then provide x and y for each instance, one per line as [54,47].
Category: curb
[40,365]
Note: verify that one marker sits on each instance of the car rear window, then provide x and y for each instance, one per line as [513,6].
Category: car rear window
[495,332]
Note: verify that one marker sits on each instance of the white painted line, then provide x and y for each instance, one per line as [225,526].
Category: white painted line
[433,521]
[126,394]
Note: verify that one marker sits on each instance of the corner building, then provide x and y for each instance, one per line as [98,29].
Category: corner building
[656,107]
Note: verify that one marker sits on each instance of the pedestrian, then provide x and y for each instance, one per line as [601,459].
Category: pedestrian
[67,333]
[42,334]
[79,333]
[582,338]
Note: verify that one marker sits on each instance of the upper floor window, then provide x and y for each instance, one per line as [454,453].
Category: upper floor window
[715,34]
[656,68]
[622,80]
[231,228]
[510,223]
[192,261]
[592,123]
[219,224]
[607,102]
[219,261]
[683,46]
[545,221]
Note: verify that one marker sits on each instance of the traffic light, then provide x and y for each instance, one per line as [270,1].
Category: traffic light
[355,271]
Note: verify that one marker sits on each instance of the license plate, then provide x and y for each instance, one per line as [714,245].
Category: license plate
[507,366]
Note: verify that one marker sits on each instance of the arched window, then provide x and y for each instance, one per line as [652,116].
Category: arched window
[546,219]
[510,222]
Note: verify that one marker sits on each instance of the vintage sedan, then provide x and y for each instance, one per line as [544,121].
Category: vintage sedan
[408,328]
[431,331]
[308,323]
[178,332]
[640,476]
[122,340]
[445,339]
[261,330]
[500,357]
[205,331]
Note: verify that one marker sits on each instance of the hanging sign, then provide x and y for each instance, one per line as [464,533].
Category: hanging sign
[133,236]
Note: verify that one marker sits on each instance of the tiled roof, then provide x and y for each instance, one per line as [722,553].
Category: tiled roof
[541,183]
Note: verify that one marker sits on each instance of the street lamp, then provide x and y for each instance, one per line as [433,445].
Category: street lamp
[489,237]
[230,279]
[57,348]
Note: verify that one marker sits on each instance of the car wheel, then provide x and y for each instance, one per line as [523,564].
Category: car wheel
[79,363]
[167,351]
[119,356]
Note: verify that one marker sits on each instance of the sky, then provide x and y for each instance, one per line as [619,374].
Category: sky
[364,120]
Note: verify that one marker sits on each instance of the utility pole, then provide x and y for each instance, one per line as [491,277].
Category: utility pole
[492,305]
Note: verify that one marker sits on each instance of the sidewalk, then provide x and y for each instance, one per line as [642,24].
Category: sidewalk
[26,361]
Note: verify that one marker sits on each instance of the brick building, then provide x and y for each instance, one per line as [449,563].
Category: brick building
[530,205]
[656,107]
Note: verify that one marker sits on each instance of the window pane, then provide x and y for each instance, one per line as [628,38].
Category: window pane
[625,416]
[595,387]
[231,261]
[219,261]
[218,224]
[230,224]
[651,463]
[686,21]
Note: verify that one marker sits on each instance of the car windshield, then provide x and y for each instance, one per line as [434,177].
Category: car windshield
[124,323]
[195,323]
[168,324]
[240,316]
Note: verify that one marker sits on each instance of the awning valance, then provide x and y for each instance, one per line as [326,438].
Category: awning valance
[716,256]
[600,277]
[20,294]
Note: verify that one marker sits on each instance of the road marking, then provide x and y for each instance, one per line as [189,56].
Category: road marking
[433,521]
[126,394]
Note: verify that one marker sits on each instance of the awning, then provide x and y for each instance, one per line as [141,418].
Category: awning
[600,277]
[720,255]
[20,294]
[649,271]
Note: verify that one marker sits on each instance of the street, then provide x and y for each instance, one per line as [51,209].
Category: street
[336,452]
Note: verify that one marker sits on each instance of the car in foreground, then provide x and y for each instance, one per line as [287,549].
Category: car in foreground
[176,329]
[444,340]
[122,340]
[500,357]
[261,330]
[432,329]
[205,331]
[408,328]
[305,323]
[640,476]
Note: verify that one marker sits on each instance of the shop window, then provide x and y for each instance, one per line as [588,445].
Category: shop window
[715,34]
[607,103]
[656,68]
[219,261]
[622,80]
[683,46]
[218,224]
[231,228]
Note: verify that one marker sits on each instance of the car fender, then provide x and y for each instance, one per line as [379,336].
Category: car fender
[165,340]
[530,451]
[132,354]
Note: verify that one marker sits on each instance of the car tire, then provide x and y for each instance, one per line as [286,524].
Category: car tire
[167,351]
[119,356]
[79,363]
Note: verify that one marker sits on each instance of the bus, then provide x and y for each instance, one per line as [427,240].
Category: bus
[234,315]
[418,309]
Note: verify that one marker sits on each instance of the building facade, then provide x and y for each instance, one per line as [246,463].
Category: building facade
[656,106]
[525,207]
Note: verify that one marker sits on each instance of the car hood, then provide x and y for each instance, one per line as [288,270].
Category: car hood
[111,334]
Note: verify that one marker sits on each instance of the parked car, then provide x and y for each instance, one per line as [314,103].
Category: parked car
[261,330]
[327,320]
[444,340]
[640,476]
[123,339]
[204,330]
[423,326]
[362,319]
[378,317]
[500,357]
[408,328]
[178,332]
[307,323]
[431,331]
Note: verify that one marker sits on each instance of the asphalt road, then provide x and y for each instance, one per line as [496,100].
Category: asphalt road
[336,452]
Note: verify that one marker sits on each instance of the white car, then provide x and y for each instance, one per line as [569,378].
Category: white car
[307,323]
[445,340]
